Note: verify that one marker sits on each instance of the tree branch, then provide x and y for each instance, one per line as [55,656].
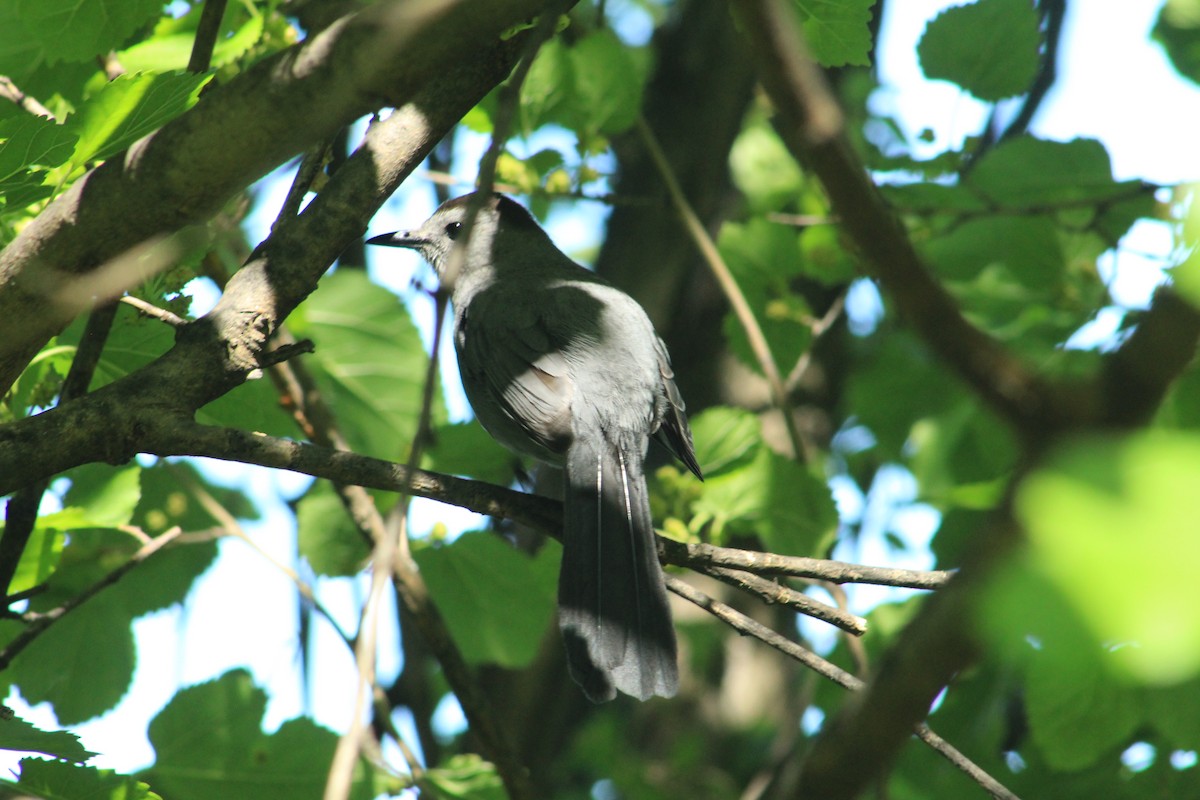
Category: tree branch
[699,555]
[213,355]
[387,53]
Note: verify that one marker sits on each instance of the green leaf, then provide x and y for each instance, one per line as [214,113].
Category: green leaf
[92,653]
[130,107]
[764,257]
[18,734]
[74,30]
[990,47]
[167,502]
[763,169]
[1077,712]
[209,743]
[57,780]
[1026,246]
[369,362]
[1177,29]
[593,87]
[466,777]
[327,538]
[107,495]
[1120,513]
[1029,173]
[496,600]
[29,141]
[547,86]
[725,438]
[170,46]
[775,498]
[92,647]
[838,31]
[900,368]
[608,84]
[467,449]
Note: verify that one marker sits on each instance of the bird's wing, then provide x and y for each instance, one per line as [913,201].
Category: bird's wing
[673,431]
[526,383]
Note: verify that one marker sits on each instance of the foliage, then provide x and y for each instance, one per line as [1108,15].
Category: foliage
[1089,636]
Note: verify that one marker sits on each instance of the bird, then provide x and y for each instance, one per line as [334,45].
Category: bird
[560,365]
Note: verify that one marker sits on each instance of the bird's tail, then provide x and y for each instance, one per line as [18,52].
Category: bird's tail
[613,609]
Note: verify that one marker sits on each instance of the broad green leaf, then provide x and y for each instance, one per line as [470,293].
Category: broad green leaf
[467,449]
[896,386]
[29,141]
[547,86]
[130,107]
[92,646]
[166,501]
[369,362]
[725,438]
[75,30]
[763,169]
[1177,29]
[497,601]
[1076,710]
[1121,513]
[1029,173]
[838,31]
[21,735]
[990,47]
[608,84]
[775,498]
[962,456]
[93,655]
[466,777]
[58,780]
[170,47]
[107,495]
[1026,246]
[927,198]
[593,86]
[209,743]
[763,258]
[327,538]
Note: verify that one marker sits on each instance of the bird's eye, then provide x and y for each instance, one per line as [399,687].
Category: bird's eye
[453,229]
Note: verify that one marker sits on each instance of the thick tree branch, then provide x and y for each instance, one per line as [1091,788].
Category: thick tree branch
[215,354]
[182,173]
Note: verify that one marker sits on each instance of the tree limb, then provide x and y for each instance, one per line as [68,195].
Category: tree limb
[183,173]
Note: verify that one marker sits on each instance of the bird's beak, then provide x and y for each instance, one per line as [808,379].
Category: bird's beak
[398,239]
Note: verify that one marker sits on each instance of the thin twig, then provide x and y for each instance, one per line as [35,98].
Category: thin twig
[952,754]
[206,35]
[729,286]
[773,593]
[818,328]
[748,626]
[10,91]
[695,555]
[153,311]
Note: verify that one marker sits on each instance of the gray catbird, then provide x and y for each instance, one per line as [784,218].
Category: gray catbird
[563,367]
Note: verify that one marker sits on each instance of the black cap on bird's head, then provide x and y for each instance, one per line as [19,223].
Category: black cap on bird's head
[496,217]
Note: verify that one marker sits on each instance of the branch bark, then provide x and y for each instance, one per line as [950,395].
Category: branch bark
[216,353]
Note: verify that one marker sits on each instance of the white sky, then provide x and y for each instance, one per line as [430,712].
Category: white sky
[1114,85]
